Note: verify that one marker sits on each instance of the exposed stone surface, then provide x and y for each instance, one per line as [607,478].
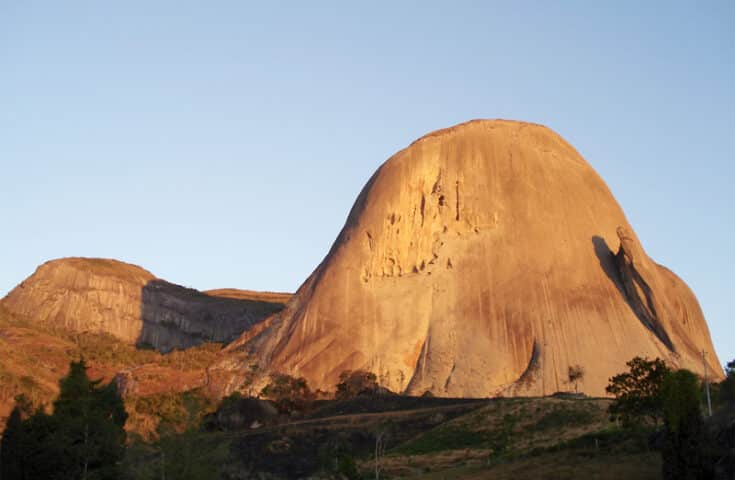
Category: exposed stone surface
[478,261]
[98,295]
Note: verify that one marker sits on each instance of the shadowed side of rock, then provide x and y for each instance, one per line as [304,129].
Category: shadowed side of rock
[179,317]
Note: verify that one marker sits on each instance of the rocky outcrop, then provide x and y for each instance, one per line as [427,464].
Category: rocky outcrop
[99,295]
[478,262]
[178,317]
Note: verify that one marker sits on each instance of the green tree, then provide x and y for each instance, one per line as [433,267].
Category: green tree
[10,447]
[288,393]
[683,451]
[637,393]
[42,454]
[83,439]
[91,419]
[355,382]
[727,386]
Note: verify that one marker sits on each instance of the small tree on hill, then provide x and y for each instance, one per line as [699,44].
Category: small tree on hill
[575,374]
[355,382]
[288,393]
[638,392]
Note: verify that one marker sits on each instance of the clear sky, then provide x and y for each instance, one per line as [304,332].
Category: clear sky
[221,144]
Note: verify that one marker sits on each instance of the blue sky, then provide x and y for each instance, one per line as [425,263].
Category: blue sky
[221,144]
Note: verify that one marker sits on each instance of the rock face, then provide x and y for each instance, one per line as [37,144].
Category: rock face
[98,295]
[485,259]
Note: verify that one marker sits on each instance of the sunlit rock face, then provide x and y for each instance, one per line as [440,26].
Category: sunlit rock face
[484,259]
[99,295]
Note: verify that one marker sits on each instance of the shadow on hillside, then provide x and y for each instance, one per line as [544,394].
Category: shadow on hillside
[606,258]
[176,317]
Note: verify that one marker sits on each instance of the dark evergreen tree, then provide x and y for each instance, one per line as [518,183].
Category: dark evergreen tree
[91,419]
[42,454]
[683,452]
[10,447]
[727,386]
[83,439]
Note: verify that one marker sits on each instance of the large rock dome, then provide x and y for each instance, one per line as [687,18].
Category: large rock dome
[485,259]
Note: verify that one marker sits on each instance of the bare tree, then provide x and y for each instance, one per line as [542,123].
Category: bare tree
[383,431]
[575,374]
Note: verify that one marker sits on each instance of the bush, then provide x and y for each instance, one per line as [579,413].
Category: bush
[356,382]
[290,394]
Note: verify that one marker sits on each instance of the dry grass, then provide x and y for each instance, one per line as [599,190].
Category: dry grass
[563,465]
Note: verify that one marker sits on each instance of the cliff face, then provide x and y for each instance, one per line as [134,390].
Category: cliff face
[97,295]
[480,261]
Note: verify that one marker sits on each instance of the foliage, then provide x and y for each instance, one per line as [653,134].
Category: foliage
[726,388]
[575,374]
[347,467]
[638,392]
[84,438]
[186,457]
[174,410]
[190,455]
[10,446]
[458,437]
[337,456]
[683,451]
[290,394]
[230,401]
[563,417]
[355,382]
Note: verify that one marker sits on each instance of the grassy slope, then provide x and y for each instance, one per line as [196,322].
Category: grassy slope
[32,360]
[518,439]
[526,439]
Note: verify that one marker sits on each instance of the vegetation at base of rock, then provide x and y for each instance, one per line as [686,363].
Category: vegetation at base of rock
[83,438]
[637,392]
[290,394]
[724,392]
[187,455]
[174,410]
[354,383]
[683,451]
[155,374]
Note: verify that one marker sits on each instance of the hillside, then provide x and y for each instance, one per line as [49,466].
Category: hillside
[130,303]
[432,438]
[33,359]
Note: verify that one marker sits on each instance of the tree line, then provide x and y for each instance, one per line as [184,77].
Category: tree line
[83,438]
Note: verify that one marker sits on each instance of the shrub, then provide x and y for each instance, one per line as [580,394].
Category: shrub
[356,382]
[290,394]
